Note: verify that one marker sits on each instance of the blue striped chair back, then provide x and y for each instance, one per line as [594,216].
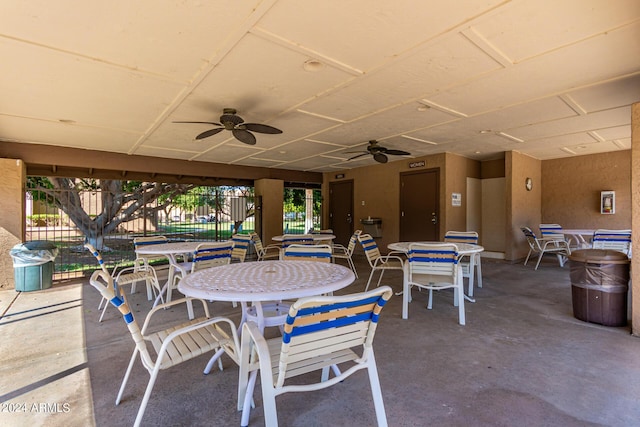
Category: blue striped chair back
[551,231]
[370,247]
[461,237]
[296,239]
[211,254]
[241,244]
[320,253]
[331,324]
[149,240]
[617,240]
[440,259]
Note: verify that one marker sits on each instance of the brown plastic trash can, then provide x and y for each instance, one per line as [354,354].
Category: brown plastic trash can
[599,285]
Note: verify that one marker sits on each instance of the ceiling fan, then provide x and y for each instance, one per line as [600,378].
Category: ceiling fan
[378,152]
[240,130]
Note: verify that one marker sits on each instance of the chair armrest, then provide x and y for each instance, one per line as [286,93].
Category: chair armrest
[386,258]
[340,248]
[154,310]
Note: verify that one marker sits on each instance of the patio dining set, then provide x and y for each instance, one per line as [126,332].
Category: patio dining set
[291,287]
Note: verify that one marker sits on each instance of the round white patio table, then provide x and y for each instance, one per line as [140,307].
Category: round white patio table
[464,249]
[257,282]
[170,250]
[578,236]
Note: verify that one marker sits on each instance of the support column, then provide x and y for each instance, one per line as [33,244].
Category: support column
[271,191]
[12,222]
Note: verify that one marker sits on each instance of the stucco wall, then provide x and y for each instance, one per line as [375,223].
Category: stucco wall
[378,186]
[457,170]
[572,186]
[523,206]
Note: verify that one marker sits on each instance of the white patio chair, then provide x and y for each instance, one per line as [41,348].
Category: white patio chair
[240,246]
[320,232]
[433,266]
[617,240]
[474,259]
[560,248]
[296,239]
[149,240]
[297,252]
[265,252]
[346,252]
[274,313]
[206,255]
[127,276]
[377,261]
[320,332]
[172,346]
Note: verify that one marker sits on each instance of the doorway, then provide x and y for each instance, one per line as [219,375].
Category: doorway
[341,210]
[419,207]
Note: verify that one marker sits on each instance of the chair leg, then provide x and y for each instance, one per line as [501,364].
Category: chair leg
[539,259]
[104,309]
[369,281]
[353,267]
[528,255]
[461,316]
[248,396]
[430,303]
[479,270]
[211,361]
[376,391]
[406,296]
[147,395]
[380,278]
[126,376]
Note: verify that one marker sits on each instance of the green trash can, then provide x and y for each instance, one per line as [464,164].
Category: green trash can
[33,265]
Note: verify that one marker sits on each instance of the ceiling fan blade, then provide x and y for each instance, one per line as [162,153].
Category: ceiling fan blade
[204,123]
[397,153]
[256,127]
[244,136]
[355,157]
[209,133]
[380,158]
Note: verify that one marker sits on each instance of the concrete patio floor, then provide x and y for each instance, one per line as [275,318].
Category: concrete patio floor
[521,360]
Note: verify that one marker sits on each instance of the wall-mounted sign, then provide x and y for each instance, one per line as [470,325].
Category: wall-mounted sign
[417,164]
[456,199]
[339,176]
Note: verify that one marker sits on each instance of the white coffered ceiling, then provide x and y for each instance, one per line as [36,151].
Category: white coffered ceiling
[548,78]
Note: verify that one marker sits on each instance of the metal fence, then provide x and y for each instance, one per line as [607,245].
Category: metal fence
[204,214]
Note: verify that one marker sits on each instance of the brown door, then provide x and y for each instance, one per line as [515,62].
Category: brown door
[341,210]
[419,214]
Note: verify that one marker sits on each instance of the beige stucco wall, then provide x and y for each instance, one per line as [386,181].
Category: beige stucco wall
[523,206]
[12,224]
[571,190]
[457,170]
[378,186]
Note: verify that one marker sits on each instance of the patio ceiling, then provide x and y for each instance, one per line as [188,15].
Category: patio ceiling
[547,78]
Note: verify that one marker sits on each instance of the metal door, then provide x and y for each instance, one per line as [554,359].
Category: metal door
[341,210]
[419,213]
